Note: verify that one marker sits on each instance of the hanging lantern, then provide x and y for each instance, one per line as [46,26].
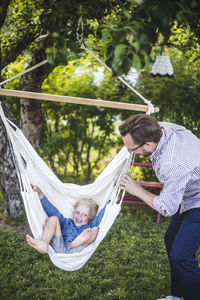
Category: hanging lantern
[162,66]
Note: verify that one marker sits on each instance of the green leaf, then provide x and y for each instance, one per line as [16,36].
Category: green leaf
[120,50]
[106,36]
[136,45]
[50,58]
[127,14]
[136,61]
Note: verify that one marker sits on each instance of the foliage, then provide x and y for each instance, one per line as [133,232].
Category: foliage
[10,71]
[77,137]
[50,25]
[130,263]
[20,29]
[177,97]
[129,28]
[137,26]
[126,41]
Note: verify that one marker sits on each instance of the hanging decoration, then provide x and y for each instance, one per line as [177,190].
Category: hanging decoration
[162,66]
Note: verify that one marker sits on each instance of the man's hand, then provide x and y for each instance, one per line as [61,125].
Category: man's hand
[130,185]
[134,187]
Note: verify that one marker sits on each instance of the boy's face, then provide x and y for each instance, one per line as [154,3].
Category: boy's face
[82,215]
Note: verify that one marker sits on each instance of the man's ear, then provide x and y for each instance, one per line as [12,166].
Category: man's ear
[148,143]
[151,145]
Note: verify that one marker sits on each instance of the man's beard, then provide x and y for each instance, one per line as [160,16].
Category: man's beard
[146,153]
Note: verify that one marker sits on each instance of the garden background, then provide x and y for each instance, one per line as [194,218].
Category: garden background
[77,141]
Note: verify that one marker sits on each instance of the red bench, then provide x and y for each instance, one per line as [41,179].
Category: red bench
[156,187]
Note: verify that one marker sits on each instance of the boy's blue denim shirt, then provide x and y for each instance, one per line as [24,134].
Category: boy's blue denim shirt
[69,230]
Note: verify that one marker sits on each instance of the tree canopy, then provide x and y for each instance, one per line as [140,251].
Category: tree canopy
[142,25]
[129,29]
[126,27]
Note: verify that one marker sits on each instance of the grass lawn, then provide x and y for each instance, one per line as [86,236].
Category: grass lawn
[130,263]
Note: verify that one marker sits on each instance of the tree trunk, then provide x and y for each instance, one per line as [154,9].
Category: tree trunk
[13,204]
[31,114]
[32,124]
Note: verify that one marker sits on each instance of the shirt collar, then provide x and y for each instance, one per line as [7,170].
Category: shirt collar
[159,147]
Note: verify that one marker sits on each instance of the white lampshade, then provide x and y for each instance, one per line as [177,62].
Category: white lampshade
[162,66]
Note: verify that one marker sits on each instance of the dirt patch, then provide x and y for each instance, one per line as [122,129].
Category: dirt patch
[22,229]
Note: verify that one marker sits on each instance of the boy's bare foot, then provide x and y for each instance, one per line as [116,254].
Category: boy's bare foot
[40,245]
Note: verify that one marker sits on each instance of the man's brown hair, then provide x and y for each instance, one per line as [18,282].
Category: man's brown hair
[143,128]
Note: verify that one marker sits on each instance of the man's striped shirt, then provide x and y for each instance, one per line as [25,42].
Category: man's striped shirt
[176,162]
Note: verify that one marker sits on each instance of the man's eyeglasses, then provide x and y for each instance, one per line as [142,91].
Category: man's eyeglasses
[133,150]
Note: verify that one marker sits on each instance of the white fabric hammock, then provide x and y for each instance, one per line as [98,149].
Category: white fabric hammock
[31,169]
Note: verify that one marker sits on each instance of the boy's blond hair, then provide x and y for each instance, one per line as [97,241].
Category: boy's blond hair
[91,204]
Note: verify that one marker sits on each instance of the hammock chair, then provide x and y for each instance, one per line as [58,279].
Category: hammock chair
[31,169]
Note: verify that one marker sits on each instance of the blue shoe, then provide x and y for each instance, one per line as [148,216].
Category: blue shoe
[172,298]
[169,298]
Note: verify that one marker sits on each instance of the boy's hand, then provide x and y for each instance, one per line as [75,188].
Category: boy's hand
[38,190]
[85,238]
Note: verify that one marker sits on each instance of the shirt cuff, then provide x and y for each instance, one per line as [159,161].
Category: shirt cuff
[44,199]
[156,203]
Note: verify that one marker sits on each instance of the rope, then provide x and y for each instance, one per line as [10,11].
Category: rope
[131,160]
[79,37]
[151,108]
[117,189]
[22,73]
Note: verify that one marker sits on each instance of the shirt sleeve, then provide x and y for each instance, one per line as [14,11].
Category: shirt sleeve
[99,216]
[51,210]
[174,182]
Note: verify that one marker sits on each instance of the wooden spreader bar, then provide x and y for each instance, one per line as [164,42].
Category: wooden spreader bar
[74,100]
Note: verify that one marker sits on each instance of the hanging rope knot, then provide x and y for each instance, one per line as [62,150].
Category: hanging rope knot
[79,31]
[151,108]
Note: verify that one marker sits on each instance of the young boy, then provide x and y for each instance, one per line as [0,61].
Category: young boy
[67,235]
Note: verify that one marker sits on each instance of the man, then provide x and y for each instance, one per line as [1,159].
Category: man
[175,155]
